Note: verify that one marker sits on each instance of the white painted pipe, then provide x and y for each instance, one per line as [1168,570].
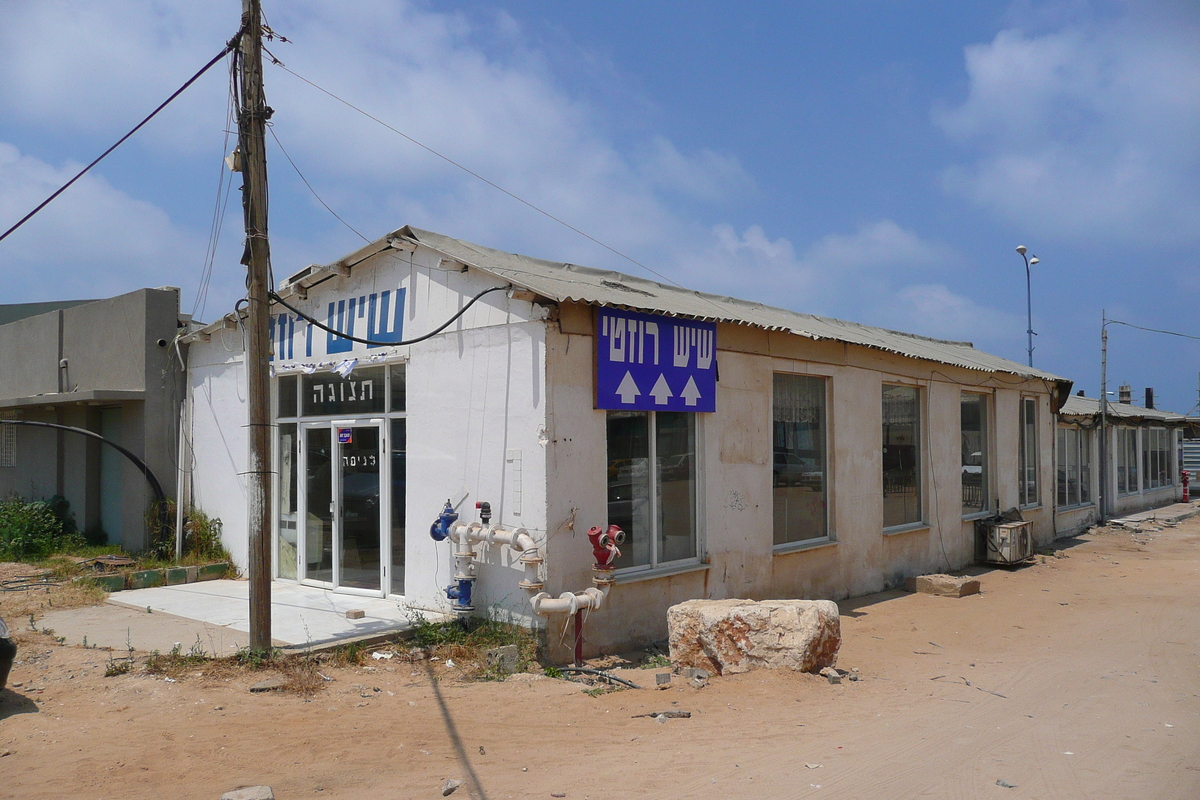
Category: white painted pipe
[568,603]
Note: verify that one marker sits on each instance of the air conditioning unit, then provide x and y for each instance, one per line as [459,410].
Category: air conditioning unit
[1003,542]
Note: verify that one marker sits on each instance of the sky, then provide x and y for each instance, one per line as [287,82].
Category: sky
[873,161]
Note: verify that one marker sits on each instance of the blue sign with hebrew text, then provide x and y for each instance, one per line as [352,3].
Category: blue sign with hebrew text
[652,362]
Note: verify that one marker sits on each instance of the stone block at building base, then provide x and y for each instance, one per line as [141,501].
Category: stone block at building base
[943,585]
[730,636]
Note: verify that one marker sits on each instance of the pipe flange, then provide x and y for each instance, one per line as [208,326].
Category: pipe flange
[531,557]
[530,586]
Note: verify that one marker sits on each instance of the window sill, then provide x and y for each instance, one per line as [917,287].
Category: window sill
[911,528]
[800,547]
[661,572]
[1077,506]
[978,515]
[1032,507]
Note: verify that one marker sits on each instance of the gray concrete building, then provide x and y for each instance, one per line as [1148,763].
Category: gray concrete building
[109,366]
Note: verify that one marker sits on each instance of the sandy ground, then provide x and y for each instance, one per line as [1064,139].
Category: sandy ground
[1076,677]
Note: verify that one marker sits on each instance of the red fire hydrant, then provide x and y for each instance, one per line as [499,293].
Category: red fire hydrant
[1186,477]
[604,545]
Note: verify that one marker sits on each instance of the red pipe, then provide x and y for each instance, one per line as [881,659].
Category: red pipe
[579,639]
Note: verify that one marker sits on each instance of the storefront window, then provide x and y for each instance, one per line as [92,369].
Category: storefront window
[1028,479]
[1127,461]
[1156,457]
[799,462]
[976,486]
[1074,468]
[652,479]
[901,456]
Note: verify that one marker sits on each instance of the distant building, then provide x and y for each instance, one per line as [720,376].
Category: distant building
[746,451]
[1144,455]
[105,366]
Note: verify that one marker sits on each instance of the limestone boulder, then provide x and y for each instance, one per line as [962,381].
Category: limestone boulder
[942,585]
[730,636]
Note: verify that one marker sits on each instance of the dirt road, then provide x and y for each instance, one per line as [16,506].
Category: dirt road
[1073,678]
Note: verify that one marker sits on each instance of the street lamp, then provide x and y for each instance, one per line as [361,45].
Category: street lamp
[1029,260]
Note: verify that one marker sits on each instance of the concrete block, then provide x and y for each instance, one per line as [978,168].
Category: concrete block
[193,574]
[144,579]
[176,575]
[504,658]
[212,572]
[250,793]
[730,636]
[109,583]
[942,585]
[355,613]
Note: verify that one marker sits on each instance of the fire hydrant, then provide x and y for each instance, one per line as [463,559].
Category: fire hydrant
[604,548]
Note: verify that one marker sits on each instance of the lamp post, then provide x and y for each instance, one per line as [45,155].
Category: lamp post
[1029,261]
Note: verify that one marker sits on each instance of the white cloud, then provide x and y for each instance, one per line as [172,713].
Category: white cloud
[1088,130]
[93,241]
[472,87]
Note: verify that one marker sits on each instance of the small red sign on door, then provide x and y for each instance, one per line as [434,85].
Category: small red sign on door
[344,435]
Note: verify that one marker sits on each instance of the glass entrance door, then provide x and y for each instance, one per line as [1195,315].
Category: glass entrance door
[342,507]
[359,528]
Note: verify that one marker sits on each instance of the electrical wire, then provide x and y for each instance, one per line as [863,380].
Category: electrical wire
[283,150]
[228,47]
[1151,330]
[491,183]
[275,297]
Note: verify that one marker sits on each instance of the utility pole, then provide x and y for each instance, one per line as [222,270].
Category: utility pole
[252,119]
[1103,416]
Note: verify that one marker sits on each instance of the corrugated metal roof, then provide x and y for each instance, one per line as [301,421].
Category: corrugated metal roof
[1090,407]
[569,282]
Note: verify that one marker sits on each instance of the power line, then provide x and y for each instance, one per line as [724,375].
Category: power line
[282,149]
[1151,330]
[136,128]
[493,184]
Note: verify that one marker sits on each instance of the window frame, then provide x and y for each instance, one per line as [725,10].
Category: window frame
[299,418]
[1073,448]
[1127,445]
[1028,453]
[828,535]
[986,479]
[656,565]
[922,520]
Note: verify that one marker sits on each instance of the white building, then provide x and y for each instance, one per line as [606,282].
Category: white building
[775,454]
[1144,455]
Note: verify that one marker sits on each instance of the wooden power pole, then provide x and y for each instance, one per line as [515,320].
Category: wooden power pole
[252,120]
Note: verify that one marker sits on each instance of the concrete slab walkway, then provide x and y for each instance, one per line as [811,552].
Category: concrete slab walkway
[214,615]
[1176,512]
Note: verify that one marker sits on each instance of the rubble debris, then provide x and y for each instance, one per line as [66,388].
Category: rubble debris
[504,659]
[449,786]
[268,685]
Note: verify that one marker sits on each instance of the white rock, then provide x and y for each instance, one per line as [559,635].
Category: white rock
[729,636]
[250,793]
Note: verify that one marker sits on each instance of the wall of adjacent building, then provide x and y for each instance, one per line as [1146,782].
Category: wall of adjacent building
[736,475]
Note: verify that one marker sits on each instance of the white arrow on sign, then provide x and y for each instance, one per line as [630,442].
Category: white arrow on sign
[661,392]
[690,393]
[628,390]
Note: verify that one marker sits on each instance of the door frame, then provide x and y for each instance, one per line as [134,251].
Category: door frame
[380,423]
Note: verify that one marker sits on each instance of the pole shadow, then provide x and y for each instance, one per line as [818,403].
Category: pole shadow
[473,784]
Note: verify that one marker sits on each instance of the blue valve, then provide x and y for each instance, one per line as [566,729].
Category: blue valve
[440,529]
[461,593]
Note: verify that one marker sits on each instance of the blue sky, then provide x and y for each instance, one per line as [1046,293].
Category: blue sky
[873,161]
